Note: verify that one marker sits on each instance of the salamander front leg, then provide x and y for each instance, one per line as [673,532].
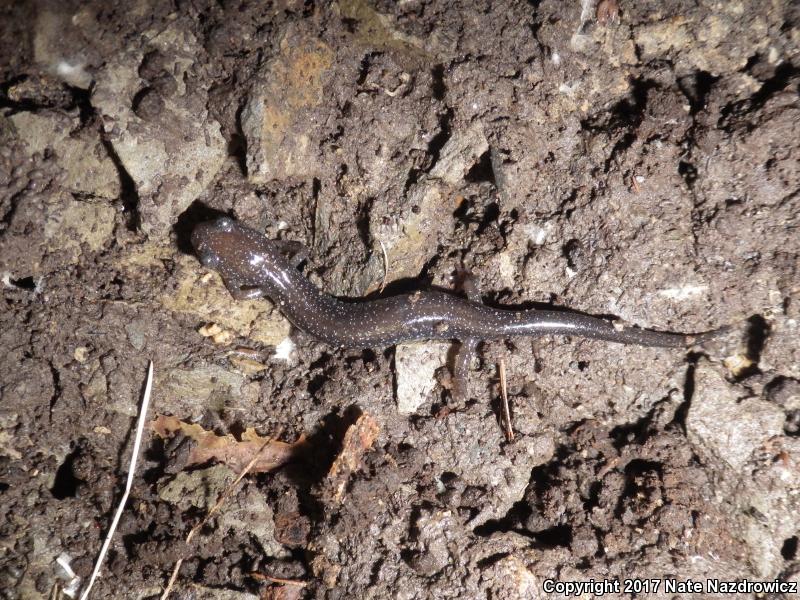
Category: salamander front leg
[296,252]
[240,292]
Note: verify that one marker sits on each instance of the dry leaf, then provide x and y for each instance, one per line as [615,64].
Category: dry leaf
[358,438]
[227,449]
[285,592]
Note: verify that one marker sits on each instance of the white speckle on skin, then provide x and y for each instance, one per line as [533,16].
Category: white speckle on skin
[556,58]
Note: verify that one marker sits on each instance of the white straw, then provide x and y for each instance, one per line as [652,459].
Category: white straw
[131,470]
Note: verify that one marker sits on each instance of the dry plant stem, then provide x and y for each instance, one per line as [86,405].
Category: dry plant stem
[222,499]
[504,395]
[385,266]
[128,485]
[295,582]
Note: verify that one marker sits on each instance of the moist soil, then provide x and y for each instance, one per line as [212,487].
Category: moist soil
[634,160]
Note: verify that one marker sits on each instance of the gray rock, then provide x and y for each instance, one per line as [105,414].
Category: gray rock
[190,392]
[415,365]
[173,149]
[410,234]
[723,429]
[73,224]
[280,136]
[249,514]
[88,168]
[201,488]
[770,499]
[473,447]
[461,152]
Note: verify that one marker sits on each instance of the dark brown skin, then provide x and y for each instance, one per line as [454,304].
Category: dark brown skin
[253,266]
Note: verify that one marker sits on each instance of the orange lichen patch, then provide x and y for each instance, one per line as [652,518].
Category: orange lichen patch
[275,118]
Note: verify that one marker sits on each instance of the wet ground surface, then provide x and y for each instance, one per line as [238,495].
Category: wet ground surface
[635,160]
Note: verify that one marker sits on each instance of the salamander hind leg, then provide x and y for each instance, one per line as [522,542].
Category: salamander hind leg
[465,281]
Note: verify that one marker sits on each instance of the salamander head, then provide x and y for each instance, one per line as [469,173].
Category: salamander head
[211,243]
[237,252]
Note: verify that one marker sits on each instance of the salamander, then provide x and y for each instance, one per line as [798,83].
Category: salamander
[252,266]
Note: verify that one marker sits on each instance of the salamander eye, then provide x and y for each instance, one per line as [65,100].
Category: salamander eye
[225,224]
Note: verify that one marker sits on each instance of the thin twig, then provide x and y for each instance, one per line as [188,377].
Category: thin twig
[385,266]
[137,442]
[223,497]
[504,396]
[281,580]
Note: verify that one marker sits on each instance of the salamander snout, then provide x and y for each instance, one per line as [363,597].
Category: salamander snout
[208,240]
[200,235]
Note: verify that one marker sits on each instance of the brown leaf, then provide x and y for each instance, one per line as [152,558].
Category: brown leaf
[358,438]
[227,449]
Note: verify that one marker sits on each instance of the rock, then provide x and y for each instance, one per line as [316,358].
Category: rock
[280,136]
[71,224]
[160,127]
[515,580]
[137,333]
[95,391]
[784,392]
[461,152]
[59,47]
[771,497]
[410,234]
[249,514]
[88,168]
[473,448]
[723,429]
[517,157]
[719,43]
[415,365]
[782,352]
[434,528]
[200,488]
[205,387]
